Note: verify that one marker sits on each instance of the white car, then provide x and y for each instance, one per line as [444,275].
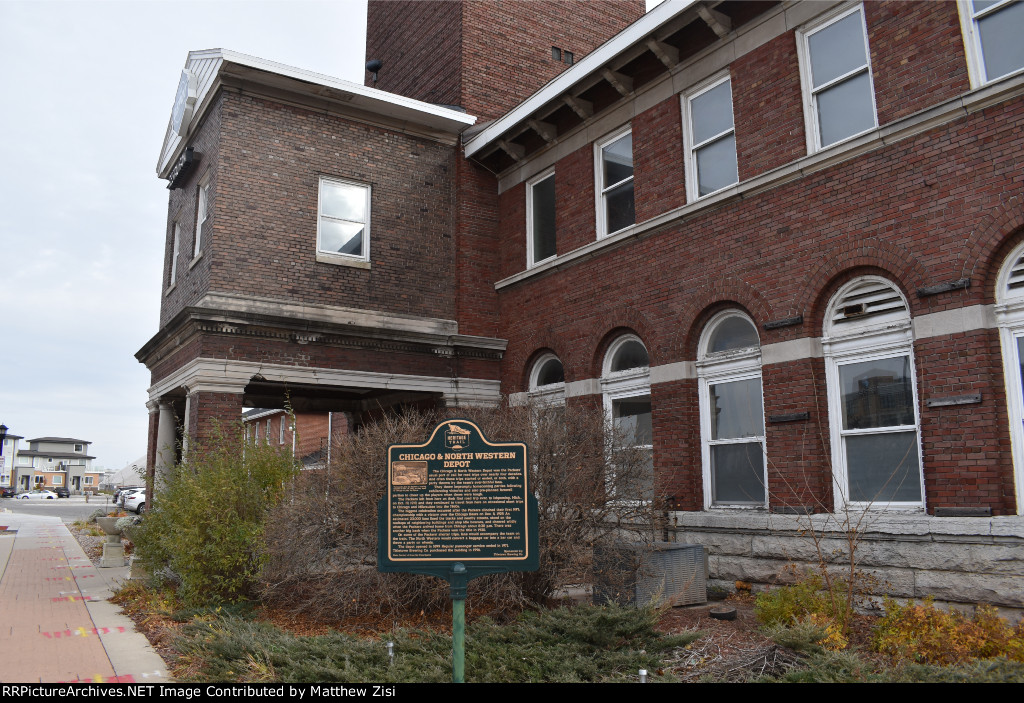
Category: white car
[122,497]
[39,493]
[136,502]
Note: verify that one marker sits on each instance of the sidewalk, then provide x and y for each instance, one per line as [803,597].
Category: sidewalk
[55,622]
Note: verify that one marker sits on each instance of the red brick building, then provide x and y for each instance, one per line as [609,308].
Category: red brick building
[780,242]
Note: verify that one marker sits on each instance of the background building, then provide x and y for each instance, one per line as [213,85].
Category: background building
[57,462]
[781,243]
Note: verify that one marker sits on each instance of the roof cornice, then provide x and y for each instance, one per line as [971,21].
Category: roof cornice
[593,63]
[222,66]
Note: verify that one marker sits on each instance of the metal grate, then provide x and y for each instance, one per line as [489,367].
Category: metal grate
[663,573]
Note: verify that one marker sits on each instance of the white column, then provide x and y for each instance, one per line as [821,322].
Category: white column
[165,442]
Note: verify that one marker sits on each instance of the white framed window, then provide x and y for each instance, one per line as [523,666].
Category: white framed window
[732,413]
[88,480]
[626,387]
[872,397]
[174,254]
[547,381]
[280,439]
[79,448]
[1010,321]
[993,31]
[202,213]
[614,168]
[266,436]
[58,480]
[540,218]
[835,70]
[710,138]
[343,222]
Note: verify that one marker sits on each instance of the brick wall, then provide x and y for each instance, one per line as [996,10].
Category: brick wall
[262,240]
[921,211]
[208,410]
[192,278]
[484,56]
[917,55]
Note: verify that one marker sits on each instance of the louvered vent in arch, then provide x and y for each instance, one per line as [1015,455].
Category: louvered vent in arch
[872,300]
[1015,281]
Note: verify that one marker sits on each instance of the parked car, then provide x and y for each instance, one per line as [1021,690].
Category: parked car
[39,493]
[136,502]
[7,492]
[62,492]
[123,495]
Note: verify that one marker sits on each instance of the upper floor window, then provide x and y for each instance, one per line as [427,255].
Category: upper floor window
[872,397]
[540,218]
[174,254]
[732,413]
[839,95]
[343,228]
[201,215]
[710,139]
[614,167]
[79,447]
[994,37]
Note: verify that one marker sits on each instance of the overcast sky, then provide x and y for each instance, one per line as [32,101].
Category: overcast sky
[87,92]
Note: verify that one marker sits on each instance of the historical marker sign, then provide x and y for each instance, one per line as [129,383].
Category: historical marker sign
[458,498]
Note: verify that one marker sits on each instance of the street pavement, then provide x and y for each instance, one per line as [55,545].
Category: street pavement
[56,624]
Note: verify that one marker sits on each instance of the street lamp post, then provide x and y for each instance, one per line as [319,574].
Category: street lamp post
[3,441]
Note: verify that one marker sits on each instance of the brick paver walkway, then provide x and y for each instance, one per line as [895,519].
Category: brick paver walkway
[55,623]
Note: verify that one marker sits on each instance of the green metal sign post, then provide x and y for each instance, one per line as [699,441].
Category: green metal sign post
[457,507]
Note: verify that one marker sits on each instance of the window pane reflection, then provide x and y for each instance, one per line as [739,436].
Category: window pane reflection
[736,410]
[883,468]
[877,393]
[737,472]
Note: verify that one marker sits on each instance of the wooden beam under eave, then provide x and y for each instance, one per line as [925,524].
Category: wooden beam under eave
[516,151]
[584,109]
[720,24]
[620,81]
[666,53]
[547,131]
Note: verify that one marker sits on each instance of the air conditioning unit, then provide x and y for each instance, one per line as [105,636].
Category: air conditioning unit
[658,573]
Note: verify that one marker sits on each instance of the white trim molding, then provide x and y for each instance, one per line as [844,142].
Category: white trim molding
[225,376]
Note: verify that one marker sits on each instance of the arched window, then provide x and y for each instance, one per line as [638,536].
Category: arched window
[626,385]
[732,413]
[1010,319]
[872,397]
[547,381]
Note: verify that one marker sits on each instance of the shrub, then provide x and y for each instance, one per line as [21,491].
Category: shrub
[926,634]
[805,600]
[322,542]
[206,523]
[580,644]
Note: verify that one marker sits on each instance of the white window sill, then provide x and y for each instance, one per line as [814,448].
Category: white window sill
[337,260]
[195,260]
[170,288]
